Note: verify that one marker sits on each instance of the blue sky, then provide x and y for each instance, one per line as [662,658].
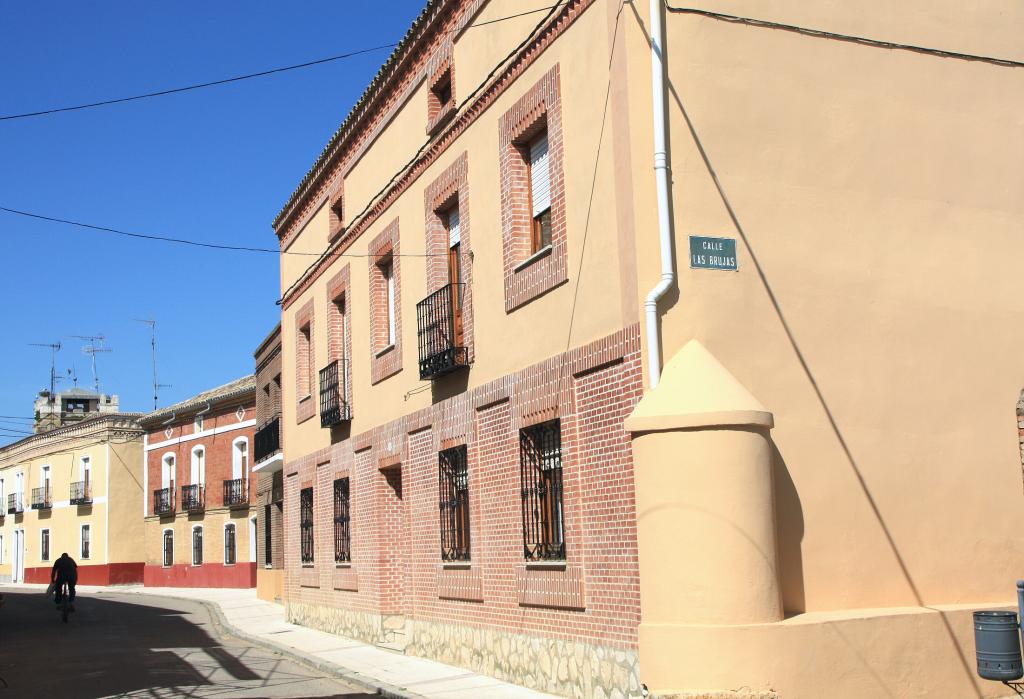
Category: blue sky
[214,164]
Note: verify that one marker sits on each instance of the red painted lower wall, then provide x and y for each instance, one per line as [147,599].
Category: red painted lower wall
[206,575]
[107,574]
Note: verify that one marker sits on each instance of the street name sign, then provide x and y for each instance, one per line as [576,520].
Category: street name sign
[713,253]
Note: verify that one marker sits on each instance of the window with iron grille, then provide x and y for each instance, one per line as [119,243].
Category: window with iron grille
[268,556]
[306,524]
[168,547]
[229,544]
[540,461]
[197,546]
[342,523]
[44,548]
[85,541]
[453,492]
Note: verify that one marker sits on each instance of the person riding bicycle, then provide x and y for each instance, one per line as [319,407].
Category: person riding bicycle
[65,570]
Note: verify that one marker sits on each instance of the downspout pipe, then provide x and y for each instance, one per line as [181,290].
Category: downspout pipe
[661,174]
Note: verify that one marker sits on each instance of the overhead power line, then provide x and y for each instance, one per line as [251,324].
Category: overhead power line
[239,78]
[197,86]
[822,34]
[183,241]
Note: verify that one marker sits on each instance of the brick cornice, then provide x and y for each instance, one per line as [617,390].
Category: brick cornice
[445,138]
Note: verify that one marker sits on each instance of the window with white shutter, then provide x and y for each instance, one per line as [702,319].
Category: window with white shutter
[540,192]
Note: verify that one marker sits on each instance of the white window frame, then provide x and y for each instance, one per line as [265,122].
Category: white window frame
[48,553]
[197,423]
[2,544]
[236,458]
[197,468]
[3,500]
[163,533]
[169,458]
[81,528]
[224,541]
[44,476]
[85,467]
[192,545]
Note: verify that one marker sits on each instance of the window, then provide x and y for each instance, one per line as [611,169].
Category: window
[85,467]
[441,95]
[536,152]
[198,424]
[44,545]
[229,544]
[198,472]
[1,549]
[197,546]
[167,474]
[540,461]
[268,556]
[168,548]
[453,487]
[306,524]
[307,362]
[85,541]
[387,270]
[240,458]
[342,532]
[2,501]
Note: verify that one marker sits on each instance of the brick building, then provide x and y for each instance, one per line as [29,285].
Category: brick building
[520,422]
[200,528]
[268,460]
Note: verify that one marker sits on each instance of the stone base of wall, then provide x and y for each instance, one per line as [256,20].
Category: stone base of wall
[567,668]
[362,626]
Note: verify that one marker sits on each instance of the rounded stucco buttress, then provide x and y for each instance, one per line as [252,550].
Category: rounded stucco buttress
[705,504]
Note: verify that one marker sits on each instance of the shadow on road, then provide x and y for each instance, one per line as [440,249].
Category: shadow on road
[141,648]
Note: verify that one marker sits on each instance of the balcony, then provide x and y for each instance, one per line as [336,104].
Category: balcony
[192,498]
[81,493]
[235,493]
[334,408]
[439,332]
[41,498]
[15,504]
[163,501]
[267,441]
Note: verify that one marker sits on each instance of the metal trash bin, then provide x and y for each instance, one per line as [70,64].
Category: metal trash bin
[997,646]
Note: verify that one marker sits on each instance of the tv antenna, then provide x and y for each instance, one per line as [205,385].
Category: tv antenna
[92,349]
[54,349]
[156,385]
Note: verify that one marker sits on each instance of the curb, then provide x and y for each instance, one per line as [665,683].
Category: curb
[357,679]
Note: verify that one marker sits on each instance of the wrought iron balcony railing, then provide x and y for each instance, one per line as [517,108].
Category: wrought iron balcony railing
[334,407]
[235,492]
[439,332]
[163,501]
[81,493]
[192,499]
[267,441]
[41,498]
[15,504]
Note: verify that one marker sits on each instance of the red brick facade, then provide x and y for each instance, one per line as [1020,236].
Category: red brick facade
[305,369]
[396,568]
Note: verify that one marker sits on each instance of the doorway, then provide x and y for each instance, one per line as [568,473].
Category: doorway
[18,571]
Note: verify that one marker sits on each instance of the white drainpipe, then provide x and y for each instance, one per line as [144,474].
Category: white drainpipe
[661,173]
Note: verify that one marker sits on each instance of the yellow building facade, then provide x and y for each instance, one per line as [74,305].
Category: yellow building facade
[76,490]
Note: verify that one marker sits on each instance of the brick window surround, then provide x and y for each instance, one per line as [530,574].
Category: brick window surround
[451,190]
[339,325]
[305,370]
[528,275]
[336,206]
[441,88]
[385,358]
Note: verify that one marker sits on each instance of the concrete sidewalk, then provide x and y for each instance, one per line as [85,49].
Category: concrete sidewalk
[392,674]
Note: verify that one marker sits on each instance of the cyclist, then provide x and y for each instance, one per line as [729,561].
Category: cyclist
[65,570]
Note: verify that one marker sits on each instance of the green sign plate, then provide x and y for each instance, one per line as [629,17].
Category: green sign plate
[713,253]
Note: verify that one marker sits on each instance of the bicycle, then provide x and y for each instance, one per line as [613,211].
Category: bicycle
[65,604]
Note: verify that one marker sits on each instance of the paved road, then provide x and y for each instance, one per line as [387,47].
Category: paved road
[119,645]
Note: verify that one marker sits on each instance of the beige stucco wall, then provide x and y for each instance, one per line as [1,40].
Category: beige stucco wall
[880,192]
[126,498]
[498,335]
